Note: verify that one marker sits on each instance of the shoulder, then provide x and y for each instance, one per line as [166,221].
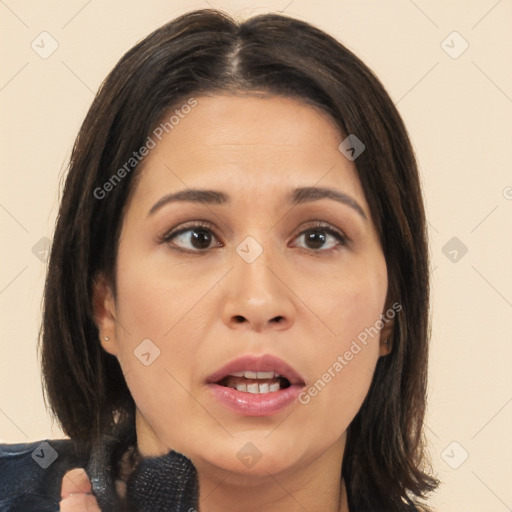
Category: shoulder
[31,474]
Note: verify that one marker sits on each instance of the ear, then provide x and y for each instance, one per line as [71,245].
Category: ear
[385,337]
[104,310]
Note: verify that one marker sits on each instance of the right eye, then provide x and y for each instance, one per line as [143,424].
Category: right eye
[195,237]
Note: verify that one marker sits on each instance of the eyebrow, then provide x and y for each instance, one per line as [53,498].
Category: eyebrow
[297,196]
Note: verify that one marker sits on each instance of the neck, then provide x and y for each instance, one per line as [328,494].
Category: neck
[314,486]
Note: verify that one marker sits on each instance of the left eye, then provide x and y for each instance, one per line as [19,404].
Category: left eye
[316,238]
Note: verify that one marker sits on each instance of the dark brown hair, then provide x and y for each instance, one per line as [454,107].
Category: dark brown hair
[207,52]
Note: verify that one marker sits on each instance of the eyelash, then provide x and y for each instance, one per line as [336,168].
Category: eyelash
[203,225]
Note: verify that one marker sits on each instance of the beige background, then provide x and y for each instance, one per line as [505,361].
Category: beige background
[459,114]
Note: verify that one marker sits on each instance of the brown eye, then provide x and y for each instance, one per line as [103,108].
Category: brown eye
[320,239]
[315,239]
[199,238]
[194,238]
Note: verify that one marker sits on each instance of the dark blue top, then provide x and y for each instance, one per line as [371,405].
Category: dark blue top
[31,477]
[31,474]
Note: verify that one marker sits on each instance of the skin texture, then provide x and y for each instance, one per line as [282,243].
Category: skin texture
[190,304]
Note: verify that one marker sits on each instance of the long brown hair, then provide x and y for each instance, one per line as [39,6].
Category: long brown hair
[207,52]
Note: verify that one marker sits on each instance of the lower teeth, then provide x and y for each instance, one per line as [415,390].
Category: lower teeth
[257,388]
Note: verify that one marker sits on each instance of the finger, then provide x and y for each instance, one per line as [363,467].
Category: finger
[79,503]
[75,481]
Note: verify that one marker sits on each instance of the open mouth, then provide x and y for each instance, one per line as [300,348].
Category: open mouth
[255,382]
[256,385]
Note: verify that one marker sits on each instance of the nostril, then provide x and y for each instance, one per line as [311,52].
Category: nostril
[240,319]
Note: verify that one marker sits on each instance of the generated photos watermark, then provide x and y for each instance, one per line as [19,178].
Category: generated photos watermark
[151,142]
[343,360]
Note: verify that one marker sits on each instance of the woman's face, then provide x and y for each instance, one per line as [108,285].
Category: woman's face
[287,285]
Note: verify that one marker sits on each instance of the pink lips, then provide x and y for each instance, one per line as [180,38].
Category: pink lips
[261,404]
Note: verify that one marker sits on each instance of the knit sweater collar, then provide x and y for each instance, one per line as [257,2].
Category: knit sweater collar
[163,484]
[124,481]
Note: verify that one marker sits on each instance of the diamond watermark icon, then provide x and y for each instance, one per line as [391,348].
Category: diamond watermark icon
[146,352]
[249,454]
[351,147]
[45,455]
[41,249]
[44,45]
[454,45]
[454,249]
[249,249]
[454,455]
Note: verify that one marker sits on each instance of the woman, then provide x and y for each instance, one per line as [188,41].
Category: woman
[236,308]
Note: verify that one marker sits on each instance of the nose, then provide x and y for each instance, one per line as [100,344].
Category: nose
[258,297]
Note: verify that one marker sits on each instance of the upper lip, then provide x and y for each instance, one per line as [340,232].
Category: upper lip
[264,363]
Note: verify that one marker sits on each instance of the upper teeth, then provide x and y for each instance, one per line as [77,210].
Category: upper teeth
[255,375]
[271,382]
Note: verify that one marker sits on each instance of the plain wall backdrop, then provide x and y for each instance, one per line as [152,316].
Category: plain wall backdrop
[446,65]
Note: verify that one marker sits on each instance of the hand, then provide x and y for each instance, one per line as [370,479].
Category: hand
[76,493]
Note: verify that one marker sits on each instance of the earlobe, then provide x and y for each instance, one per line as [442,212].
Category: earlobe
[385,347]
[104,311]
[386,336]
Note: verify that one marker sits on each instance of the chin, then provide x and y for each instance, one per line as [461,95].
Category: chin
[251,457]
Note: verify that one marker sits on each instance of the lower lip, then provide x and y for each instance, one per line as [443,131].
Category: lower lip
[256,404]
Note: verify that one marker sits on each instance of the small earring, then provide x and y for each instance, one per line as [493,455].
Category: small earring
[108,339]
[386,342]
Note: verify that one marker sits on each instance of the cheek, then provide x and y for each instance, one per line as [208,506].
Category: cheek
[338,393]
[160,324]
[350,306]
[342,375]
[350,303]
[158,301]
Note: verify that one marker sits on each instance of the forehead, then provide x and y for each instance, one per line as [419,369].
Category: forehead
[248,143]
[249,118]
